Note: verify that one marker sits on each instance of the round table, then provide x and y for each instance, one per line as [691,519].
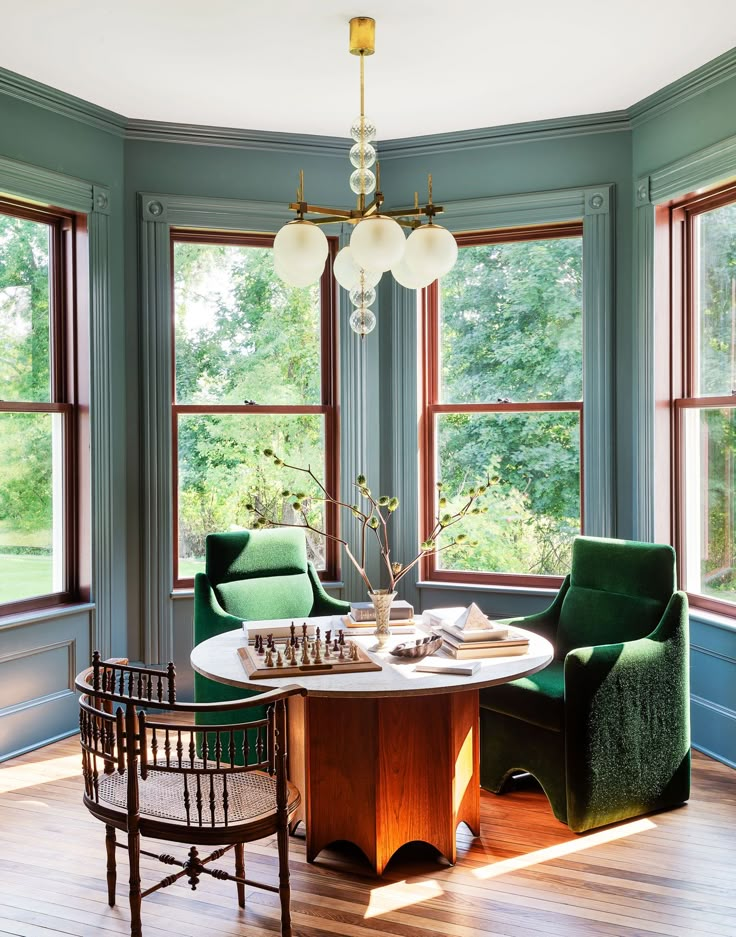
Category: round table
[381,758]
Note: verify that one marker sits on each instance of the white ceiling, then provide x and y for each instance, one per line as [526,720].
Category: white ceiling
[284,64]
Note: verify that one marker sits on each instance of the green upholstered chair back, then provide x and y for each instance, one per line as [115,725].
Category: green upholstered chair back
[260,573]
[618,592]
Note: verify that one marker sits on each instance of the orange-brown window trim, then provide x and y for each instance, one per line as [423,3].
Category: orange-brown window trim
[432,407]
[329,391]
[675,368]
[68,366]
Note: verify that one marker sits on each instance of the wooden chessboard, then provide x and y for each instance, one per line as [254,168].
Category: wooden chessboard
[256,668]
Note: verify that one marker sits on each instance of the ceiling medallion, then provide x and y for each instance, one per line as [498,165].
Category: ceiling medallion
[378,242]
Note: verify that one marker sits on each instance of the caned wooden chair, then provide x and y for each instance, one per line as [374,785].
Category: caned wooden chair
[150,772]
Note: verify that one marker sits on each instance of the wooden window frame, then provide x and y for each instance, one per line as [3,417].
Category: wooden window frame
[329,391]
[67,352]
[432,407]
[675,314]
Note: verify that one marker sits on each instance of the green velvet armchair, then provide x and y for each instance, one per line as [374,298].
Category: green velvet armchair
[605,726]
[253,575]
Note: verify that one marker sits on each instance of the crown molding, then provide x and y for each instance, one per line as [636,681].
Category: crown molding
[67,105]
[159,131]
[697,82]
[554,128]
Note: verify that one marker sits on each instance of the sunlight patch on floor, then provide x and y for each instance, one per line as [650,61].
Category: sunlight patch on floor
[18,777]
[398,895]
[580,843]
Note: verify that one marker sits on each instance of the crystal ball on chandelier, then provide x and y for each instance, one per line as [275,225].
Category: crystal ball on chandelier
[431,251]
[363,132]
[362,321]
[362,181]
[360,296]
[378,242]
[362,152]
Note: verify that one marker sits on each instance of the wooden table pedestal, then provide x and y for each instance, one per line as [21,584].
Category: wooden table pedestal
[382,772]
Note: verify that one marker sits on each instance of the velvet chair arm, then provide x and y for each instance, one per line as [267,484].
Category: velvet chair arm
[324,604]
[210,618]
[627,729]
[544,623]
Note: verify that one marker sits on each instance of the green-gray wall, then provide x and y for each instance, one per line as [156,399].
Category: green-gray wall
[592,153]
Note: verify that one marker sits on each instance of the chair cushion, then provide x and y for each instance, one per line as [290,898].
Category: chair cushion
[244,554]
[269,597]
[250,794]
[538,699]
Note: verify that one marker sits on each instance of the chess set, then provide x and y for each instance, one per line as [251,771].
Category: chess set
[301,655]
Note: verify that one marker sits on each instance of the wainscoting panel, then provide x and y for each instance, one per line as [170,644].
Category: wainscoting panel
[39,659]
[713,688]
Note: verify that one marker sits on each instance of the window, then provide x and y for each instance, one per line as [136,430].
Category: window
[703,243]
[503,401]
[38,417]
[254,368]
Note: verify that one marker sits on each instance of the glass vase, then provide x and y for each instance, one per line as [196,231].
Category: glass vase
[382,600]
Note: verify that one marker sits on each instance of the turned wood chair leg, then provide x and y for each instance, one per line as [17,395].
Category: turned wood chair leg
[134,856]
[284,887]
[240,871]
[111,867]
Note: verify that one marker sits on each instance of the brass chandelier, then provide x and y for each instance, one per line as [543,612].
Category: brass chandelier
[378,242]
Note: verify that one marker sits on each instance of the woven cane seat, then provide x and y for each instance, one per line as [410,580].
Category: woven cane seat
[249,794]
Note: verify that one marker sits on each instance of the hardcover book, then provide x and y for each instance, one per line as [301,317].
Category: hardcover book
[365,612]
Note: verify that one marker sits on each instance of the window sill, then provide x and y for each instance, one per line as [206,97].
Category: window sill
[19,619]
[486,587]
[188,593]
[712,618]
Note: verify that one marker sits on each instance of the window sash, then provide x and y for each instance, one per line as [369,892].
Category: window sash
[328,384]
[62,366]
[432,408]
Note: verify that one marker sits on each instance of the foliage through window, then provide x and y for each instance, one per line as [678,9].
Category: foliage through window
[37,504]
[503,398]
[704,256]
[254,368]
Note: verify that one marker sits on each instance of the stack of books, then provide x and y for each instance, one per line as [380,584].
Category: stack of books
[363,615]
[470,634]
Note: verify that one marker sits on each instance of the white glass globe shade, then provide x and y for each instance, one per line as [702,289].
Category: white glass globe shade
[407,276]
[362,321]
[299,245]
[347,271]
[297,276]
[364,152]
[378,243]
[431,251]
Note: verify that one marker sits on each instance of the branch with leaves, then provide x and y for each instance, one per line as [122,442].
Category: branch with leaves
[373,518]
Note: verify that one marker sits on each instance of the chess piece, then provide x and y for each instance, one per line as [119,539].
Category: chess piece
[259,644]
[328,637]
[317,633]
[279,659]
[327,650]
[336,646]
[304,632]
[292,659]
[305,652]
[341,636]
[293,634]
[341,655]
[269,641]
[317,655]
[269,658]
[353,651]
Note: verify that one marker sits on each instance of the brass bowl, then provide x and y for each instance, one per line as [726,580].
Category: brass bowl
[415,650]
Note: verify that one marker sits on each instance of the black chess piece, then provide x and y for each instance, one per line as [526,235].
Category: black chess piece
[269,642]
[328,637]
[342,636]
[336,645]
[293,635]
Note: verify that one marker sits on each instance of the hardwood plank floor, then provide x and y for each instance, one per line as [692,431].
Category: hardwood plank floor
[527,875]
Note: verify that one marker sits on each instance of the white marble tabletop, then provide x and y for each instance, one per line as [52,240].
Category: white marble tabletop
[217,658]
